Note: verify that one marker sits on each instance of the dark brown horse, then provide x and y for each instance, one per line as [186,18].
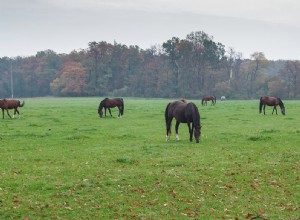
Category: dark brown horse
[271,101]
[183,112]
[6,104]
[111,103]
[211,98]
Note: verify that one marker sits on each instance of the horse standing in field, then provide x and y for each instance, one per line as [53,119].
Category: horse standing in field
[271,101]
[111,103]
[183,112]
[6,104]
[211,98]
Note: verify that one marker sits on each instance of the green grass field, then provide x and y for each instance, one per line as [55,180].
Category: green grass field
[61,161]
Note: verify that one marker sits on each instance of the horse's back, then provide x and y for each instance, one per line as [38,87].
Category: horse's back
[10,103]
[269,100]
[180,110]
[209,98]
[174,107]
[117,102]
[113,102]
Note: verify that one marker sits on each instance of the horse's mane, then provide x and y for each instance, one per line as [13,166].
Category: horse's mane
[196,115]
[280,102]
[103,102]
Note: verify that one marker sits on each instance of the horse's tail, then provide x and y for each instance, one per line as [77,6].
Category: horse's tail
[21,105]
[215,99]
[260,105]
[167,116]
[202,101]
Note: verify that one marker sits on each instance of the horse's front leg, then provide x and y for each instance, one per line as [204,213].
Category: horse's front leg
[275,110]
[191,130]
[119,112]
[176,130]
[2,113]
[109,112]
[264,109]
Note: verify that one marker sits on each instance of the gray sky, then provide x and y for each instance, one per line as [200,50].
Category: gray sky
[268,26]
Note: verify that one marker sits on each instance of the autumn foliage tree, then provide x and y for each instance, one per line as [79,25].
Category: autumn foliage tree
[191,67]
[71,80]
[291,75]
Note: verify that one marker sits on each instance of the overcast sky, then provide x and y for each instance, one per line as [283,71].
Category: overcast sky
[268,26]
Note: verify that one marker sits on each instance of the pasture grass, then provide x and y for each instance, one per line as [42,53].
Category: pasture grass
[61,161]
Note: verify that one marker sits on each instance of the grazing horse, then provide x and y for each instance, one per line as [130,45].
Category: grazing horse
[183,112]
[211,98]
[111,103]
[6,104]
[271,101]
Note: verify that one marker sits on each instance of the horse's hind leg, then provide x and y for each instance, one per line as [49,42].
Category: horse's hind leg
[168,127]
[7,113]
[176,130]
[17,111]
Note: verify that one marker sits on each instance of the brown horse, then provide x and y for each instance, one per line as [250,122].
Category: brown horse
[271,101]
[211,98]
[183,112]
[6,104]
[111,103]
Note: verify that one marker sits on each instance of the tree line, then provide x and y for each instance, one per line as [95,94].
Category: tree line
[188,68]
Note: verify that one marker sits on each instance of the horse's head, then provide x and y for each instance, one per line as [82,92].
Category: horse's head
[196,121]
[197,133]
[281,106]
[283,110]
[100,110]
